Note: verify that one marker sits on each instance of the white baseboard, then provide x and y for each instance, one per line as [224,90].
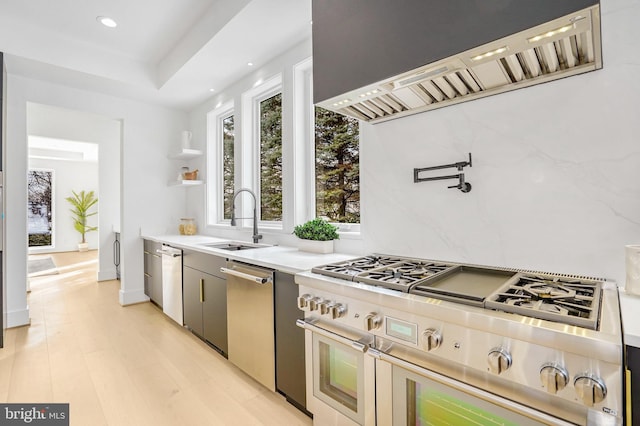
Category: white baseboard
[132,297]
[106,275]
[18,318]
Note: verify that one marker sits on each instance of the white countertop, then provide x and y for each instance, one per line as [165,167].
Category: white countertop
[283,258]
[630,309]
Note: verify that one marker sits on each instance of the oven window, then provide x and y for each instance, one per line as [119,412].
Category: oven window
[338,376]
[426,406]
[418,400]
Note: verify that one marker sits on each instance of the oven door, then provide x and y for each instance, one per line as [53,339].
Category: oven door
[407,394]
[340,377]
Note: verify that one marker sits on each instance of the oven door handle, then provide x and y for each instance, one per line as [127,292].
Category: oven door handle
[358,346]
[463,387]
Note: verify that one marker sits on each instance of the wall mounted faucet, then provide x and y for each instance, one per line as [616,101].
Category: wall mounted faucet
[462,185]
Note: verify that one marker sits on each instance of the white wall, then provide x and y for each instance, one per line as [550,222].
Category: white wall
[556,182]
[67,177]
[61,123]
[148,132]
[556,175]
[282,64]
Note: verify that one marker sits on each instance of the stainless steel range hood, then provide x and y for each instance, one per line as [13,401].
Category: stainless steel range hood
[558,48]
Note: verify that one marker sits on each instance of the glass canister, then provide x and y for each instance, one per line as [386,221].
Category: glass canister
[187,226]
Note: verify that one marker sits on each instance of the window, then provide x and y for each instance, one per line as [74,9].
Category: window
[337,167]
[40,220]
[228,164]
[271,158]
[221,162]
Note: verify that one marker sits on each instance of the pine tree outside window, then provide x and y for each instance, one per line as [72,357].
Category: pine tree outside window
[271,159]
[228,164]
[337,166]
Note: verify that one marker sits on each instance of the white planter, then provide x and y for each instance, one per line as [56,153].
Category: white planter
[312,246]
[83,246]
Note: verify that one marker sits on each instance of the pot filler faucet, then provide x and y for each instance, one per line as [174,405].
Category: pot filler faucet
[256,236]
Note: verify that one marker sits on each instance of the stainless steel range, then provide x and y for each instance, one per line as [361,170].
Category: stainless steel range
[398,341]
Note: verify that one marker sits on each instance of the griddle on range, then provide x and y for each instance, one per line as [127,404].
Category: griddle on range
[550,297]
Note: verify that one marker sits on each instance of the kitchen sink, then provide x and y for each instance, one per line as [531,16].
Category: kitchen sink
[235,246]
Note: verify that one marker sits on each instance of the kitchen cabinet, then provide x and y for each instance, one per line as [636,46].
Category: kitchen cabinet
[205,298]
[153,271]
[290,360]
[633,400]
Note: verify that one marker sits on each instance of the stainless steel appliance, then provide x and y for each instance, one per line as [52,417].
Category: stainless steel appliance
[172,282]
[376,60]
[455,341]
[250,329]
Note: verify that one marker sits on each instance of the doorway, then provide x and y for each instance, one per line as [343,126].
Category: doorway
[74,151]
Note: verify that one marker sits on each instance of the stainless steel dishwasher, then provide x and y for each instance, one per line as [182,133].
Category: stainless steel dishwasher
[250,321]
[172,282]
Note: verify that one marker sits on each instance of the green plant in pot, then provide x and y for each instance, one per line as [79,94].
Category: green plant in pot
[316,236]
[81,203]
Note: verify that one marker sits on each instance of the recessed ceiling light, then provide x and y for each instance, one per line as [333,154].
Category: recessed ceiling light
[107,22]
[250,64]
[212,90]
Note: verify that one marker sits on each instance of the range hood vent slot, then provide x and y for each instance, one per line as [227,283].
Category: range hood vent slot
[566,46]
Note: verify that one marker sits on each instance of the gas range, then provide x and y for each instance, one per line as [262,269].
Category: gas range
[567,299]
[551,341]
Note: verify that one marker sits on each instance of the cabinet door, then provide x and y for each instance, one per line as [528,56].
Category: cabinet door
[192,299]
[156,278]
[214,311]
[633,400]
[290,369]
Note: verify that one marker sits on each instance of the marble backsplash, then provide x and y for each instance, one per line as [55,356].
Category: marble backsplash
[556,171]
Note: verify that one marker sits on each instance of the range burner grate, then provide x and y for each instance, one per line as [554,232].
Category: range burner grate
[350,268]
[401,276]
[568,301]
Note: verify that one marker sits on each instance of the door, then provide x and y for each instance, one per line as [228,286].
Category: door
[341,387]
[214,311]
[410,395]
[192,298]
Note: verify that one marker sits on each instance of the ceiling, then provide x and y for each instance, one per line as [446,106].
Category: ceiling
[169,52]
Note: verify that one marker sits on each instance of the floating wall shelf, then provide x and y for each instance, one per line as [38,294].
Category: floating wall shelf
[186,154]
[185,183]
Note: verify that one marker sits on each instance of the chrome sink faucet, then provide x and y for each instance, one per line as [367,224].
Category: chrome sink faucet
[256,236]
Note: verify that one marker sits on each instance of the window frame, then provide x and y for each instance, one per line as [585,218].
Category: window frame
[305,119]
[250,176]
[215,156]
[52,246]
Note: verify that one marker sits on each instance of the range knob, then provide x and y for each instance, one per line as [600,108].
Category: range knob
[590,389]
[314,303]
[554,377]
[431,339]
[372,321]
[303,302]
[499,360]
[338,310]
[325,307]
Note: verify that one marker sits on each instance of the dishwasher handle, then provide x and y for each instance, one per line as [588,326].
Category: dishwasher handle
[259,280]
[171,253]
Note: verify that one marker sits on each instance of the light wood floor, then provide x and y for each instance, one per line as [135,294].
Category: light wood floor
[124,365]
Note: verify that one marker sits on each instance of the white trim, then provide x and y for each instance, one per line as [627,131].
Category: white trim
[304,155]
[18,318]
[306,140]
[52,246]
[132,297]
[250,148]
[214,199]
